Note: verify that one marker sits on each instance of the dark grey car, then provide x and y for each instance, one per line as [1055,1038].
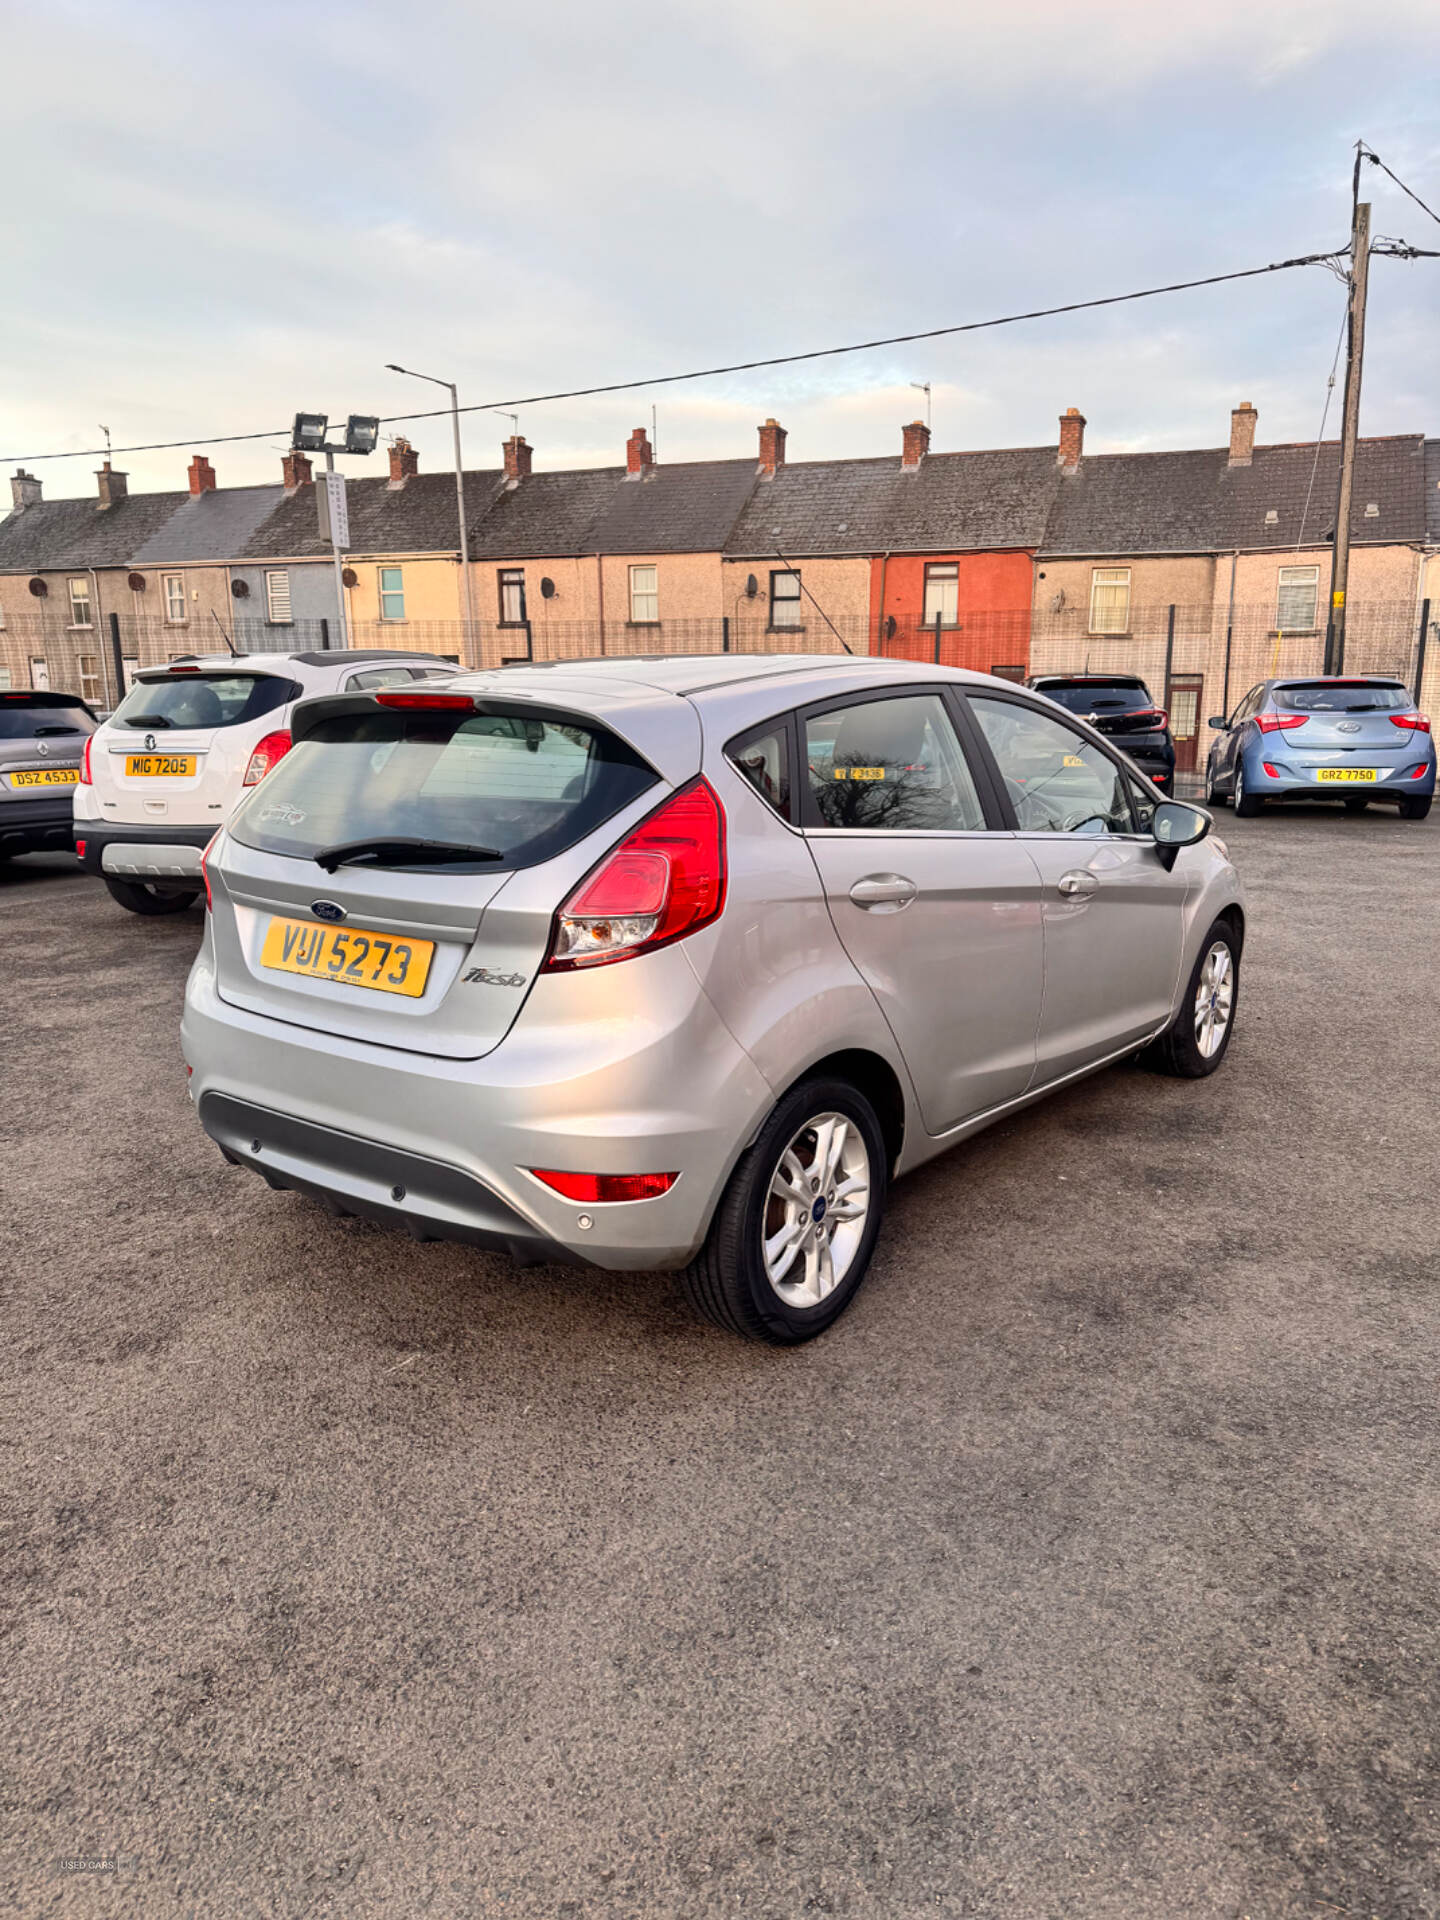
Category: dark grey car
[42,742]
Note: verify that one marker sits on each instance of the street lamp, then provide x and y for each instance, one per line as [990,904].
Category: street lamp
[449,385]
[362,431]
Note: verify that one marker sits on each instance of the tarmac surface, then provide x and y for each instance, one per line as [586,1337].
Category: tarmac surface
[1090,1566]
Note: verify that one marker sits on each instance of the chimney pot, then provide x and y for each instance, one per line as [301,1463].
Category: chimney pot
[404,462]
[24,490]
[1243,420]
[639,459]
[1072,440]
[517,457]
[297,470]
[915,444]
[772,448]
[202,476]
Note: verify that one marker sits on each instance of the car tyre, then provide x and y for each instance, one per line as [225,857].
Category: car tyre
[1247,805]
[1414,807]
[1213,795]
[1196,1041]
[137,897]
[767,1197]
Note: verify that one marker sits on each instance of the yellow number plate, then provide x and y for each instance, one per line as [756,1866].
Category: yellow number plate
[160,766]
[859,773]
[46,777]
[1345,773]
[353,955]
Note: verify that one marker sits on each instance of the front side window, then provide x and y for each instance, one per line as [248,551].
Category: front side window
[80,603]
[764,759]
[1110,600]
[277,598]
[392,593]
[1057,780]
[644,595]
[512,596]
[1295,599]
[786,606]
[942,593]
[175,609]
[891,766]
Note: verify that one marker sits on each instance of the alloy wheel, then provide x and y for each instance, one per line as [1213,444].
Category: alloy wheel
[1214,1000]
[816,1210]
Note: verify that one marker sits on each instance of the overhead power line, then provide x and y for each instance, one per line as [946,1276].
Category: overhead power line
[1375,161]
[738,366]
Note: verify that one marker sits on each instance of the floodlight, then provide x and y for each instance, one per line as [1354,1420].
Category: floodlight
[362,430]
[309,432]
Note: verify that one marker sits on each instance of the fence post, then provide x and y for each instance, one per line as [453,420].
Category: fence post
[324,634]
[1169,649]
[119,658]
[1419,651]
[937,638]
[725,632]
[1225,684]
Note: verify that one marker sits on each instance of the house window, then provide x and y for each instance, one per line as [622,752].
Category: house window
[131,666]
[644,596]
[277,598]
[89,665]
[512,596]
[786,607]
[80,603]
[1110,600]
[392,593]
[1295,599]
[942,593]
[176,611]
[2,619]
[5,680]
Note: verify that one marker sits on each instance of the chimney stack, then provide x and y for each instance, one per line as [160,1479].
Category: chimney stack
[404,463]
[1243,421]
[1072,440]
[24,490]
[202,476]
[915,444]
[297,471]
[113,486]
[772,449]
[517,457]
[639,460]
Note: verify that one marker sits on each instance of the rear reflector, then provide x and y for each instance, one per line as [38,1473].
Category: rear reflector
[80,844]
[1419,773]
[1280,722]
[435,702]
[1412,722]
[273,747]
[606,1186]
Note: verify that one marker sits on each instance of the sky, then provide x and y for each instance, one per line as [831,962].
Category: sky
[219,215]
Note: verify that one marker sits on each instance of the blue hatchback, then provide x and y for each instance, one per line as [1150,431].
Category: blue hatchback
[1337,738]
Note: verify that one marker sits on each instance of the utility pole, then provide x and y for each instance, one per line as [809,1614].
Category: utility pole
[1349,429]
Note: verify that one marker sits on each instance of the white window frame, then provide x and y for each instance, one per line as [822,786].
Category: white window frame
[87,668]
[644,594]
[79,580]
[944,576]
[787,610]
[384,593]
[172,587]
[1292,579]
[6,680]
[277,595]
[1106,617]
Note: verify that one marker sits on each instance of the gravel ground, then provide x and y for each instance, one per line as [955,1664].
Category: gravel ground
[1089,1567]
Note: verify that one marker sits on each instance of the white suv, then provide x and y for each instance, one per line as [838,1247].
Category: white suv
[169,765]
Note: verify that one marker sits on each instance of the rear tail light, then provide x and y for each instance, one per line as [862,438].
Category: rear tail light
[1280,722]
[664,880]
[85,776]
[1151,716]
[437,702]
[271,749]
[205,869]
[1412,722]
[606,1186]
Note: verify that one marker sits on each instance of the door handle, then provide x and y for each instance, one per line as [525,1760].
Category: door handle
[884,892]
[1077,883]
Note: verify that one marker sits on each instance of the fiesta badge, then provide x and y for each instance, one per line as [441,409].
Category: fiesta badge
[327,910]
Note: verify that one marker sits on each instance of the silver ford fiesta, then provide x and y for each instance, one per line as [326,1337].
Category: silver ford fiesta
[677,963]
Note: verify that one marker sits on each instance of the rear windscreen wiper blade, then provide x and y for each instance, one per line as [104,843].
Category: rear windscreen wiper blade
[147,720]
[403,853]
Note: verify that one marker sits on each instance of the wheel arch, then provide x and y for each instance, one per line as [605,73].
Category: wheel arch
[871,1074]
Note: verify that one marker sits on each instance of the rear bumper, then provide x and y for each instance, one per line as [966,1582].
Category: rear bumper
[133,852]
[1294,780]
[36,826]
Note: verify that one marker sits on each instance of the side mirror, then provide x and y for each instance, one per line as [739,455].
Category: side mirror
[1174,826]
[1218,722]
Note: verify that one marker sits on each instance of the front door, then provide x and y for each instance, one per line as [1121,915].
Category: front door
[40,675]
[939,914]
[1112,915]
[1184,698]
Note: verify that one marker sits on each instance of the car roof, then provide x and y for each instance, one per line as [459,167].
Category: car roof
[688,676]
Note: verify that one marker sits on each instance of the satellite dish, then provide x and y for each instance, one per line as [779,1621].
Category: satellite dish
[39,588]
[547,588]
[240,589]
[752,587]
[135,582]
[350,577]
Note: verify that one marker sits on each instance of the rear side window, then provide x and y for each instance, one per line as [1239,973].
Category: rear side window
[1353,696]
[203,700]
[28,720]
[764,759]
[527,787]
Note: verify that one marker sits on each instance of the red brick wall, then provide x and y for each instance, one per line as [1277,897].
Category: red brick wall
[994,591]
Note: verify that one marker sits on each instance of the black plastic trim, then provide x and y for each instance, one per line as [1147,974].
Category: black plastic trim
[99,834]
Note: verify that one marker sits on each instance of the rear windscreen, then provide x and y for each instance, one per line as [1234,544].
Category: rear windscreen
[40,722]
[1356,696]
[1090,698]
[526,787]
[203,700]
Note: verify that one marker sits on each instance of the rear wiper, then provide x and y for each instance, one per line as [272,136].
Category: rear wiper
[402,852]
[147,720]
